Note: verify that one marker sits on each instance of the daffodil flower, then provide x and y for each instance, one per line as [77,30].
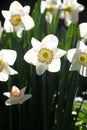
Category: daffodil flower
[7,57]
[16,96]
[1,30]
[70,10]
[52,7]
[17,18]
[78,58]
[83,31]
[45,55]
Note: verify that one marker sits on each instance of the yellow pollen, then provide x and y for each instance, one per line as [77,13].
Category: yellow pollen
[15,19]
[51,9]
[83,58]
[16,94]
[1,64]
[69,9]
[45,55]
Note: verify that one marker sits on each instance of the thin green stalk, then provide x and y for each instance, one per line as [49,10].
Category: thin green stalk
[69,103]
[44,102]
[10,108]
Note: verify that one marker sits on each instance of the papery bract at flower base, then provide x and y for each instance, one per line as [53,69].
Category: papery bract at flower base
[52,7]
[78,58]
[70,10]
[7,57]
[16,96]
[17,18]
[45,55]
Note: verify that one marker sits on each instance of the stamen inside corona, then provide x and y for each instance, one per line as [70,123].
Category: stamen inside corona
[15,19]
[45,56]
[69,9]
[51,9]
[83,58]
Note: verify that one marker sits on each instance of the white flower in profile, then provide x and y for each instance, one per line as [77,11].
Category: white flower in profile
[16,96]
[17,18]
[1,30]
[45,55]
[83,31]
[70,10]
[78,58]
[51,7]
[7,59]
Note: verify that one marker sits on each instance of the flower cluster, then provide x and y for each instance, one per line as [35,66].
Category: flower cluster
[45,54]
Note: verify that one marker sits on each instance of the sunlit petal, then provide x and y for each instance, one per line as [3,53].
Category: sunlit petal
[28,22]
[8,55]
[26,97]
[50,41]
[7,94]
[31,57]
[54,66]
[41,68]
[70,54]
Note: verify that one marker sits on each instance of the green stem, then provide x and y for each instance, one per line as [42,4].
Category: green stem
[44,103]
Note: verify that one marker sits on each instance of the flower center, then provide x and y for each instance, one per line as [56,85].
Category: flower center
[15,19]
[1,64]
[45,55]
[83,58]
[16,94]
[69,9]
[51,9]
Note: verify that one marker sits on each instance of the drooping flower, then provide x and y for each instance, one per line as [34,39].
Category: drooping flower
[7,57]
[78,58]
[83,31]
[70,10]
[17,18]
[16,96]
[51,7]
[1,30]
[45,55]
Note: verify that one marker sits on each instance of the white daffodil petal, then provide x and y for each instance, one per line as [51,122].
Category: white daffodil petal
[70,54]
[31,57]
[8,70]
[41,68]
[83,29]
[81,46]
[35,43]
[50,41]
[60,52]
[8,55]
[74,17]
[80,7]
[49,17]
[28,22]
[19,33]
[43,6]
[3,77]
[74,67]
[7,94]
[25,97]
[23,90]
[6,14]
[54,66]
[9,102]
[15,6]
[7,26]
[26,9]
